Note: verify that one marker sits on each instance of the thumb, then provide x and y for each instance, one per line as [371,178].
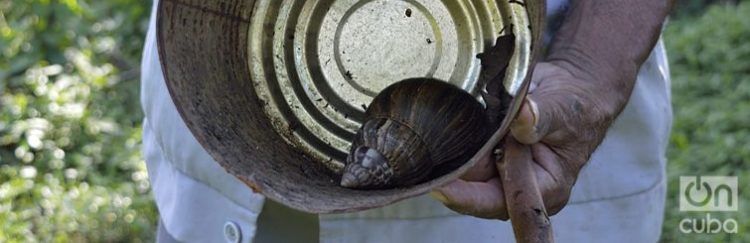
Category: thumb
[539,118]
[525,127]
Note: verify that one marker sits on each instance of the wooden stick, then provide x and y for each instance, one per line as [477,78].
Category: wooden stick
[523,198]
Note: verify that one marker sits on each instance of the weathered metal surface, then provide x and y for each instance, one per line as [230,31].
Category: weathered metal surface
[273,90]
[317,64]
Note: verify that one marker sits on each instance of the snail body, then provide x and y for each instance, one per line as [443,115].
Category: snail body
[412,129]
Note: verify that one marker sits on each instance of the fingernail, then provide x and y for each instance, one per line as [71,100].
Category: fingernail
[522,120]
[526,127]
[439,196]
[534,112]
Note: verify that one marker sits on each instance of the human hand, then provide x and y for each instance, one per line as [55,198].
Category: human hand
[563,120]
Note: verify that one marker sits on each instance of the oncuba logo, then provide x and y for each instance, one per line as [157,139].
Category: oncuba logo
[708,194]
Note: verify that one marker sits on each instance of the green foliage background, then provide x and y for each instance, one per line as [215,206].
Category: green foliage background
[70,122]
[70,133]
[710,61]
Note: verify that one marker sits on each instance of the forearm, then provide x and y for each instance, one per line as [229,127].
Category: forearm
[604,42]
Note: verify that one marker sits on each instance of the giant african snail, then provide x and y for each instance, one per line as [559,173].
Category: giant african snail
[417,127]
[412,128]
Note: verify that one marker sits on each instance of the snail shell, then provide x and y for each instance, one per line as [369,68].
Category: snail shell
[412,129]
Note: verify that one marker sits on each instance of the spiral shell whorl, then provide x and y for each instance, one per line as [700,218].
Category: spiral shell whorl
[417,125]
[388,138]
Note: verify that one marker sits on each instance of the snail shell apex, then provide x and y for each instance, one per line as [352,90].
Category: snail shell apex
[411,128]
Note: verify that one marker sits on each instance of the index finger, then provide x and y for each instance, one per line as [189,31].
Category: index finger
[483,170]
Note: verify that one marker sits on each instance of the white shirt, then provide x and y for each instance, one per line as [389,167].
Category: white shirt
[620,192]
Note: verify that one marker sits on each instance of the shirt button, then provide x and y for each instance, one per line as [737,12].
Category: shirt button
[232,232]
